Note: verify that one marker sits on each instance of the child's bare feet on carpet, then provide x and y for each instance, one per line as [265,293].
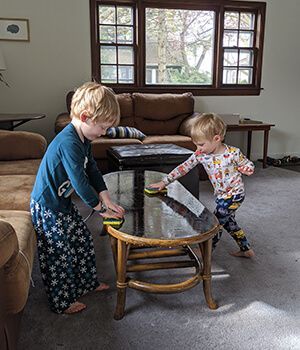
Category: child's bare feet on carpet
[74,308]
[101,287]
[247,254]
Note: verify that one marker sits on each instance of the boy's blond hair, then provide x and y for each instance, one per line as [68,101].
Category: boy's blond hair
[99,101]
[206,126]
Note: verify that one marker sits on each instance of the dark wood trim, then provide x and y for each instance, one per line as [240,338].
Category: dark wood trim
[93,22]
[195,91]
[219,6]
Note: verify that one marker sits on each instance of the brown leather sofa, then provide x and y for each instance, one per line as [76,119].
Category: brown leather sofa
[20,155]
[159,116]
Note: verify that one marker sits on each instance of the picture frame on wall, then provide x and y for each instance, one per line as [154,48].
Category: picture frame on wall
[16,29]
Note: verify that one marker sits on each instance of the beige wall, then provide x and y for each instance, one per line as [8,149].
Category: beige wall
[57,58]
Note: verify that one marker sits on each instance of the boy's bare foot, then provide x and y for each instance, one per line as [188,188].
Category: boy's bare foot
[101,287]
[247,254]
[75,307]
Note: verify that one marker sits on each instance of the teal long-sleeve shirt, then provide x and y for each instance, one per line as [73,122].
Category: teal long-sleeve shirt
[68,165]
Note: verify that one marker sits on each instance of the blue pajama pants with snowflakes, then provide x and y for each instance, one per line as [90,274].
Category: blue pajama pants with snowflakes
[66,255]
[225,213]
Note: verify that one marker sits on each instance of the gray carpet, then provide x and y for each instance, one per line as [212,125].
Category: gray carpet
[259,300]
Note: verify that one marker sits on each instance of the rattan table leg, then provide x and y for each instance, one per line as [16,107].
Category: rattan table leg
[114,249]
[206,248]
[121,280]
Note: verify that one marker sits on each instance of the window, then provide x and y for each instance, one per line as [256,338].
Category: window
[116,44]
[207,47]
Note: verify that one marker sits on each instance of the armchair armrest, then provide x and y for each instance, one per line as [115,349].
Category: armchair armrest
[17,145]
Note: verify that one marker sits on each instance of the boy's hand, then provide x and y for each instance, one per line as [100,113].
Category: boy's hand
[109,213]
[116,209]
[246,170]
[158,185]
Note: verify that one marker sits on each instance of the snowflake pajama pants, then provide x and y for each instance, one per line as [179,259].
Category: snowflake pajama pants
[225,213]
[66,255]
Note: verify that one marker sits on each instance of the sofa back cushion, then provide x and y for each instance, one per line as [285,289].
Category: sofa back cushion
[17,145]
[125,103]
[126,109]
[160,114]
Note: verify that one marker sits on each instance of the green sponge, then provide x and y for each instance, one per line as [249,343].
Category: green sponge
[154,190]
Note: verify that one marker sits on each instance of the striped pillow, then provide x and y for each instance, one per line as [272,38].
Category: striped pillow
[125,132]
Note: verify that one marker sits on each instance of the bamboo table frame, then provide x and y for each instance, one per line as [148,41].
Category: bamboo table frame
[128,248]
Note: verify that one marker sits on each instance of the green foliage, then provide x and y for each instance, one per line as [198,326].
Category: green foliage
[189,76]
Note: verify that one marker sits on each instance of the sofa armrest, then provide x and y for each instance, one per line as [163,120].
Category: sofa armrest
[17,145]
[9,246]
[62,120]
[186,125]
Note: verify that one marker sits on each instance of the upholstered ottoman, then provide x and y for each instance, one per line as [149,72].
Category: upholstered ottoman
[157,157]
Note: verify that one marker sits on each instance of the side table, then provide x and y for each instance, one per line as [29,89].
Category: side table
[11,121]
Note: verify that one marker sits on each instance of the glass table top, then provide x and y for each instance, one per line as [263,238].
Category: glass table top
[175,215]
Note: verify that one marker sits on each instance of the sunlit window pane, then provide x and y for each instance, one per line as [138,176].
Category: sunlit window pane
[246,58]
[107,34]
[247,21]
[108,74]
[108,54]
[182,53]
[230,58]
[125,55]
[245,76]
[246,39]
[229,76]
[125,35]
[126,74]
[230,38]
[231,20]
[107,14]
[124,15]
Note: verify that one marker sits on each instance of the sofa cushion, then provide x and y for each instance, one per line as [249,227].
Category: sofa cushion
[18,269]
[155,114]
[100,145]
[123,132]
[186,125]
[179,140]
[16,145]
[62,120]
[19,167]
[126,109]
[125,103]
[15,191]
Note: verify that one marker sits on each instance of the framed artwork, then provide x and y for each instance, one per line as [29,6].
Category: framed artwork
[16,29]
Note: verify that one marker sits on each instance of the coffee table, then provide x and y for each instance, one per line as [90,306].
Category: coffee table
[159,157]
[158,227]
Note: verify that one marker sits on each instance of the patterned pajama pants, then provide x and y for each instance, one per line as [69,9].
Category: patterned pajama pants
[66,255]
[225,213]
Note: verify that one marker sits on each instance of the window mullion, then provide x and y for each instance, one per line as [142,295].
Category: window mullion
[219,47]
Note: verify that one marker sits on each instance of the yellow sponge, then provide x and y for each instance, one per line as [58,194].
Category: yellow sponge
[113,222]
[149,190]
